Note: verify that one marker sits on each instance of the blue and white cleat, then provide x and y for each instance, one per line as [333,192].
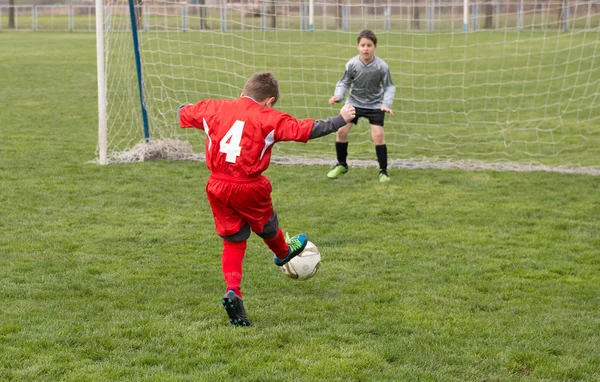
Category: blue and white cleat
[296,244]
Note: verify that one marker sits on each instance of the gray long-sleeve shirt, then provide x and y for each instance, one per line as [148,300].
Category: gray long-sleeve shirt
[323,127]
[372,85]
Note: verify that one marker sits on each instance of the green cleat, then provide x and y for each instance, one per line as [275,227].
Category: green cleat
[384,177]
[337,171]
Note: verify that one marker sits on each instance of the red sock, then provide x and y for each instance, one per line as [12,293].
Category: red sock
[231,262]
[278,245]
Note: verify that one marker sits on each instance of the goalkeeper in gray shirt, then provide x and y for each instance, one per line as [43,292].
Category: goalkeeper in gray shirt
[372,94]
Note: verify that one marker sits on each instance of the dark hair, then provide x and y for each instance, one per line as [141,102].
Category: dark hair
[262,86]
[367,34]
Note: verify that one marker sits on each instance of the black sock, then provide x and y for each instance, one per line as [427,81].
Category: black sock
[341,149]
[381,151]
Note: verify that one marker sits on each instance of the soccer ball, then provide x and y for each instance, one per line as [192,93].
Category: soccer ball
[305,265]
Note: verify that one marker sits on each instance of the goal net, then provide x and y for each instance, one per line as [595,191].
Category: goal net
[493,84]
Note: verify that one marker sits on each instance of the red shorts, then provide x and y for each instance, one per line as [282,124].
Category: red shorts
[235,202]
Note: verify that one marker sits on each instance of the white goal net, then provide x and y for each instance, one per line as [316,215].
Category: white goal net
[505,85]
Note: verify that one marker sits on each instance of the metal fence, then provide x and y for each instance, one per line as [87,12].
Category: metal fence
[415,16]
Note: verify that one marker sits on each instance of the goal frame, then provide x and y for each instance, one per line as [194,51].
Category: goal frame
[308,17]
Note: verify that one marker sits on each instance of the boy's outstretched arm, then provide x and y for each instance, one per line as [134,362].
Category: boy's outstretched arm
[193,115]
[330,125]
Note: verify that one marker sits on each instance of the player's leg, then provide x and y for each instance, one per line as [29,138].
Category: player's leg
[232,228]
[376,119]
[273,237]
[285,249]
[341,150]
[232,260]
[234,232]
[378,136]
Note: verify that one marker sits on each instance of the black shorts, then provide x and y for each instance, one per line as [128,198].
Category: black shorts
[375,116]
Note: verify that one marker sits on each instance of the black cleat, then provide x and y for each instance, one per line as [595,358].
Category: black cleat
[235,309]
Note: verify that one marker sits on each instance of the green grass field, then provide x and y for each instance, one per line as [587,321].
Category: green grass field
[112,273]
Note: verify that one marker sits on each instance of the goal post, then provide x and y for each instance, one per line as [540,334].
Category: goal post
[515,85]
[102,126]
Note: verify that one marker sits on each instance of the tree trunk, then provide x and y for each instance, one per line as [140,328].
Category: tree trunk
[11,14]
[416,18]
[340,10]
[559,16]
[273,13]
[489,12]
[203,25]
[139,13]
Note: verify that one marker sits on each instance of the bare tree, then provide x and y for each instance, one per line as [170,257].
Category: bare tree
[340,16]
[273,13]
[139,13]
[489,11]
[203,25]
[416,18]
[11,14]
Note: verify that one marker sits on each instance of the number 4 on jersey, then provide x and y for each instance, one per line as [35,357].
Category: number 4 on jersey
[230,144]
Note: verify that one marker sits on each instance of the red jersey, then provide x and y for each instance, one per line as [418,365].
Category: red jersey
[240,133]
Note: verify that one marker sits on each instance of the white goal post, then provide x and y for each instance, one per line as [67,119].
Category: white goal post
[498,84]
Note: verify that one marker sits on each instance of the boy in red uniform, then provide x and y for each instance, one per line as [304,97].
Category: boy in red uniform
[240,134]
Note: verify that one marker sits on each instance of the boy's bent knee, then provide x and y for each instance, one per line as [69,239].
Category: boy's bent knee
[271,227]
[242,235]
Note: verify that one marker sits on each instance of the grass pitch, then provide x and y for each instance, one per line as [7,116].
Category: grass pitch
[113,273]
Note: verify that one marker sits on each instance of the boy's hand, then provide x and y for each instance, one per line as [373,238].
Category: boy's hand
[387,110]
[348,112]
[333,100]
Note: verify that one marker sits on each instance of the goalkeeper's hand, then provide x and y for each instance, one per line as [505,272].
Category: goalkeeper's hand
[387,110]
[333,100]
[347,112]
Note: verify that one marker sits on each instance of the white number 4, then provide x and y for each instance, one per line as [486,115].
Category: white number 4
[230,144]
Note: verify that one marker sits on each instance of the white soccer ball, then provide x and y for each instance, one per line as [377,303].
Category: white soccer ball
[305,265]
